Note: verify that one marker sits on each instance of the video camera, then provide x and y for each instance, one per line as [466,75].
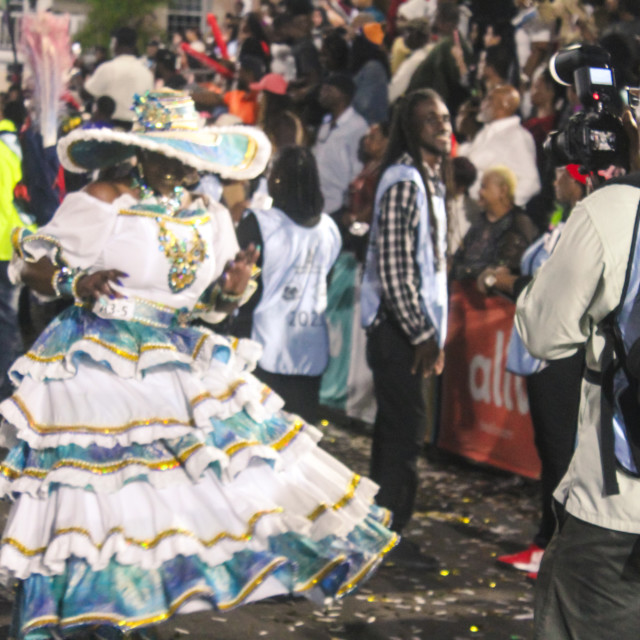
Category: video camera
[594,137]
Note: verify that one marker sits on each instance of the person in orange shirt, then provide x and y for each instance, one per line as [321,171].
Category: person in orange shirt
[242,101]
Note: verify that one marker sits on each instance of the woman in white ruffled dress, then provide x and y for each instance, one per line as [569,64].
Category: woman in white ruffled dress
[151,472]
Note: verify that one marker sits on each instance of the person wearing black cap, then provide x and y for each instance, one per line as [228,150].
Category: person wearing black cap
[122,77]
[167,72]
[336,147]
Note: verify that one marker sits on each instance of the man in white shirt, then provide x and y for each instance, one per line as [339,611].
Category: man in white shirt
[122,77]
[504,141]
[336,147]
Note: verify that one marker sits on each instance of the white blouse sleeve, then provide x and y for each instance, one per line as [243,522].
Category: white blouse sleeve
[76,234]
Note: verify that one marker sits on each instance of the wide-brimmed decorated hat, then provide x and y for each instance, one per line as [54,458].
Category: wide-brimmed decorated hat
[168,123]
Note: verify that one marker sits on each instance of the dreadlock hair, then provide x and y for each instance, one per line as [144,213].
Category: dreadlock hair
[403,139]
[294,184]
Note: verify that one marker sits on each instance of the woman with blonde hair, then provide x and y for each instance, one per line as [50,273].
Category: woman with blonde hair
[501,234]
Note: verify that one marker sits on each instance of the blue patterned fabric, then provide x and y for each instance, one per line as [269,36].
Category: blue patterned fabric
[128,597]
[77,324]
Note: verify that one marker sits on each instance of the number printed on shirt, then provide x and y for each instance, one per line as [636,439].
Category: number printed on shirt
[305,319]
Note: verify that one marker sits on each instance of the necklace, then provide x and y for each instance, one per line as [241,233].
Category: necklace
[184,258]
[170,204]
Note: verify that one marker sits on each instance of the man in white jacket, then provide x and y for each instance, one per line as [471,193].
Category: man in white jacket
[587,586]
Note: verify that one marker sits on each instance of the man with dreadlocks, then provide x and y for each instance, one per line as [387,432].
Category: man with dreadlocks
[404,293]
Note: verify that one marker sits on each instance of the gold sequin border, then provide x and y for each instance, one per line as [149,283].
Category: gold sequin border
[151,543]
[103,469]
[195,220]
[225,396]
[123,353]
[280,444]
[346,498]
[48,429]
[160,617]
[206,591]
[162,465]
[368,567]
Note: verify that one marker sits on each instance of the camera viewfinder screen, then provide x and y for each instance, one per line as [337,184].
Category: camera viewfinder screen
[602,140]
[601,76]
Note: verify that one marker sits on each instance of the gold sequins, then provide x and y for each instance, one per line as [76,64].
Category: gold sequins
[150,543]
[105,430]
[320,509]
[364,571]
[188,221]
[104,469]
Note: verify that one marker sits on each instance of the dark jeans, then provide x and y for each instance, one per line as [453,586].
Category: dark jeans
[401,421]
[554,400]
[301,394]
[588,586]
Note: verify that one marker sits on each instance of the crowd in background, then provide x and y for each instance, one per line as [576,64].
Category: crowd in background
[328,74]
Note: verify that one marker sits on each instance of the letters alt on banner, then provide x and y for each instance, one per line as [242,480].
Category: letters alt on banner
[485,413]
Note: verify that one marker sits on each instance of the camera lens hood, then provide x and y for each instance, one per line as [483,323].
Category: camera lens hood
[565,62]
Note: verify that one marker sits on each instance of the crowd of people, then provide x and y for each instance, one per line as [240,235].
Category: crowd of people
[410,134]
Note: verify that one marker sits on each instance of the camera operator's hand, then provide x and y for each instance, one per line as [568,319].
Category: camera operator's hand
[428,358]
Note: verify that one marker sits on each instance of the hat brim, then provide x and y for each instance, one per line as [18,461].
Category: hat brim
[231,152]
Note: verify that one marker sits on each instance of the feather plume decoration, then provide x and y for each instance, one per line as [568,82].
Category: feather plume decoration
[46,48]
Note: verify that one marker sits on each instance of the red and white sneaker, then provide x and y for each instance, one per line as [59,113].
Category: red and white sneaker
[527,560]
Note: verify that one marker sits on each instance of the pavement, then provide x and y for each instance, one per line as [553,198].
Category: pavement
[466,516]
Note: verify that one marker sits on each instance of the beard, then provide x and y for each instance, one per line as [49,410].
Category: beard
[435,149]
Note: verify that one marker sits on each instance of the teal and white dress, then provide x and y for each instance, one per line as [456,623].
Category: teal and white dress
[150,472]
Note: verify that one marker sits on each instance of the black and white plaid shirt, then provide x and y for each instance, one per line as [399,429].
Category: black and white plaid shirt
[397,266]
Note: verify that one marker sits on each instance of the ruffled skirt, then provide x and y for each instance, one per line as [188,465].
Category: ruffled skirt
[153,474]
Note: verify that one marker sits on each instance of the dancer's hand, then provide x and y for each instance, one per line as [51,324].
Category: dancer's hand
[238,272]
[95,285]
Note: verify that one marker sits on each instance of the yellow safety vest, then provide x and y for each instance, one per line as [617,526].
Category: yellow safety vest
[10,175]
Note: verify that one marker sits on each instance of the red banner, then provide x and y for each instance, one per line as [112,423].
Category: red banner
[485,412]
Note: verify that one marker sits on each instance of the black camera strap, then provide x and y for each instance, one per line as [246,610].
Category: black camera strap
[614,357]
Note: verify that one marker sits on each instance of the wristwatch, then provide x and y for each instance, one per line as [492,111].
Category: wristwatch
[490,280]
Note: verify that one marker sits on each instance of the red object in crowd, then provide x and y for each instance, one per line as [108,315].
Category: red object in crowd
[271,82]
[574,171]
[217,35]
[206,60]
[60,183]
[392,16]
